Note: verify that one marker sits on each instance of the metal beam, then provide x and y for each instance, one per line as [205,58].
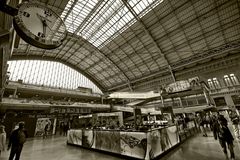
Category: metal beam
[125,2]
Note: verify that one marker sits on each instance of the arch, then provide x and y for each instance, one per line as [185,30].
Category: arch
[46,58]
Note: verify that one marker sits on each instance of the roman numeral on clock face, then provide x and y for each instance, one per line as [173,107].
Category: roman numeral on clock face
[40,34]
[26,14]
[48,13]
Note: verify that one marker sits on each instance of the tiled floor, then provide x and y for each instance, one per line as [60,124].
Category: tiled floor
[200,148]
[197,148]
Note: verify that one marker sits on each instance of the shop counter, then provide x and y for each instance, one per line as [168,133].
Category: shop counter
[136,144]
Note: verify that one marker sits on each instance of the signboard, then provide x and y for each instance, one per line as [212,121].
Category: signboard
[134,95]
[69,110]
[178,86]
[182,85]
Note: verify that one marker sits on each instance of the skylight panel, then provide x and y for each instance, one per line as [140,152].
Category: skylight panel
[145,6]
[79,12]
[110,19]
[67,8]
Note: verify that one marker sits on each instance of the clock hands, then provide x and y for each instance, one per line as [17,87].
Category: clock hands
[48,26]
[44,27]
[43,18]
[44,23]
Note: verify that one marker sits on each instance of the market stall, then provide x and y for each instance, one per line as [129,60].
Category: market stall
[137,144]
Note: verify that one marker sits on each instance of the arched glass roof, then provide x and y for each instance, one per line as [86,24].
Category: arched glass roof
[48,73]
[138,44]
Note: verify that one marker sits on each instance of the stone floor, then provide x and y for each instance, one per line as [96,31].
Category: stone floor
[55,148]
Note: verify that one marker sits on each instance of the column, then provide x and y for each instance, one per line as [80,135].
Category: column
[4,56]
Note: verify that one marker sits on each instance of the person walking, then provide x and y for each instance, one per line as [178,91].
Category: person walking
[215,126]
[65,128]
[61,128]
[46,129]
[16,141]
[225,137]
[2,139]
[202,125]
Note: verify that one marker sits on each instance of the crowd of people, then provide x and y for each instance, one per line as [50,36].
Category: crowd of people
[218,124]
[214,122]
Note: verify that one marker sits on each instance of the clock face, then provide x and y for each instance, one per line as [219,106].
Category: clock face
[39,26]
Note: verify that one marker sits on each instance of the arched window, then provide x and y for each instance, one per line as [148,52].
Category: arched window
[48,73]
[216,83]
[227,80]
[234,79]
[210,83]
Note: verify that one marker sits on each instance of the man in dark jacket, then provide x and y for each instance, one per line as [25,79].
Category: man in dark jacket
[16,141]
[225,137]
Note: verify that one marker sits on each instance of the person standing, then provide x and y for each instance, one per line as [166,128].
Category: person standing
[225,137]
[16,141]
[46,129]
[61,128]
[2,139]
[208,120]
[202,125]
[65,128]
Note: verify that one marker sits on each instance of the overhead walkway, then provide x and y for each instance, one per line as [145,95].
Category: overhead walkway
[55,148]
[79,92]
[21,103]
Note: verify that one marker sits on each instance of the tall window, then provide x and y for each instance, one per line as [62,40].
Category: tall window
[234,79]
[210,83]
[216,83]
[227,80]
